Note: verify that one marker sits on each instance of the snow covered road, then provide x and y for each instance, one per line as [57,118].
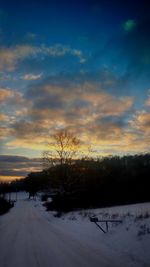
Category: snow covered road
[29,238]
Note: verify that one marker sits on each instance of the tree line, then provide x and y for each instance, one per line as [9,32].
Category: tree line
[90,183]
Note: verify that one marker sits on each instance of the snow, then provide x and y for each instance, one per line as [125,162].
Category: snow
[32,237]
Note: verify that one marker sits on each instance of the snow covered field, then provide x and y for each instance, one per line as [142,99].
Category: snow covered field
[32,237]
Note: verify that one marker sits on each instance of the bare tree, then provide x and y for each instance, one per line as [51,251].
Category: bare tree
[62,150]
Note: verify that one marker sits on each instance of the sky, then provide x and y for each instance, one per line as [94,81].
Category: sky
[81,65]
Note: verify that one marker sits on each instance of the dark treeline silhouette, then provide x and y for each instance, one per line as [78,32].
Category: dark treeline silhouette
[91,183]
[88,183]
[5,196]
[36,181]
[9,187]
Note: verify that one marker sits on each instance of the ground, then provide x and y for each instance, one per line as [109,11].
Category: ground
[32,237]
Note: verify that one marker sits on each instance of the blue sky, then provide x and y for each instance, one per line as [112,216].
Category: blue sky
[81,65]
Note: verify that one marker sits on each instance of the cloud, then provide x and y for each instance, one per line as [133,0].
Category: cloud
[84,99]
[5,94]
[5,132]
[12,99]
[147,102]
[106,104]
[32,77]
[139,127]
[11,56]
[141,122]
[101,119]
[59,50]
[81,108]
[3,117]
[18,166]
[26,129]
[13,105]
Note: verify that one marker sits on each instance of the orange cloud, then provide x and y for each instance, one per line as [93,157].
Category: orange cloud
[10,56]
[5,94]
[3,117]
[97,117]
[81,108]
[5,132]
[141,122]
[147,103]
[10,95]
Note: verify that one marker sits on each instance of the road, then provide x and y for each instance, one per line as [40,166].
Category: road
[29,239]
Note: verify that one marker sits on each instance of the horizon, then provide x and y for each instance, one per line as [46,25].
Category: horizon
[6,178]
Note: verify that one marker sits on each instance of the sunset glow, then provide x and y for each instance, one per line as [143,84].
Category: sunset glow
[80,65]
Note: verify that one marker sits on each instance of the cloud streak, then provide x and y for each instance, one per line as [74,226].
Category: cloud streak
[18,166]
[11,56]
[32,77]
